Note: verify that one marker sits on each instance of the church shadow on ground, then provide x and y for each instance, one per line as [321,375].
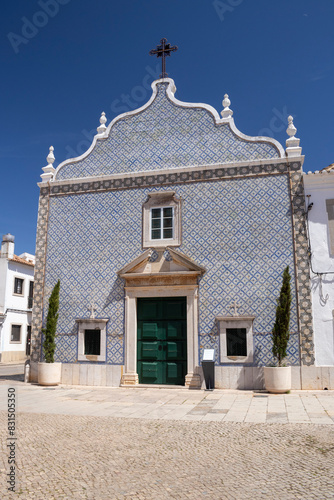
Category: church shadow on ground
[17,377]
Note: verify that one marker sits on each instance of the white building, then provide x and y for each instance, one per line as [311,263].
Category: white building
[16,293]
[319,191]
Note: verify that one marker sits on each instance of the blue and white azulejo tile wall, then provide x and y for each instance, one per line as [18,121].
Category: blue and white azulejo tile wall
[238,229]
[165,136]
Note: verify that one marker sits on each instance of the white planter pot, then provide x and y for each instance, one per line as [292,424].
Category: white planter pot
[277,379]
[49,373]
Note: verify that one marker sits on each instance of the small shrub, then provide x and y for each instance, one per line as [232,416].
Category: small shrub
[280,331]
[49,345]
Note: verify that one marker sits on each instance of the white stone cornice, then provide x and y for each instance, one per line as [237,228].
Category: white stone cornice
[177,170]
[235,318]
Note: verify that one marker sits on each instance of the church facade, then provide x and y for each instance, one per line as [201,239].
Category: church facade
[170,236]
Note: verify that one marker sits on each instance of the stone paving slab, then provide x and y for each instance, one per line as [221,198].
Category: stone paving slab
[177,404]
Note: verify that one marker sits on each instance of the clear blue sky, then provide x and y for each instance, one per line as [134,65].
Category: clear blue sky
[63,62]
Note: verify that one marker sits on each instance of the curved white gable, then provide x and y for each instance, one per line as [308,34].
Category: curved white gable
[167,133]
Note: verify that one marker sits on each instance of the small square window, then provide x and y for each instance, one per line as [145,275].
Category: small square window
[236,340]
[92,342]
[18,286]
[16,333]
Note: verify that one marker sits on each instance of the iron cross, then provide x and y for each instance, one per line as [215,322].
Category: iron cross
[162,51]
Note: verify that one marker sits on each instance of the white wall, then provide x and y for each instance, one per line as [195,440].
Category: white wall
[321,187]
[3,280]
[15,307]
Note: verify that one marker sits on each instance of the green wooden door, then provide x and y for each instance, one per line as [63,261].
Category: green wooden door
[162,340]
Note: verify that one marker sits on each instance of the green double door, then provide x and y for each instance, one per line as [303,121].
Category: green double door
[162,340]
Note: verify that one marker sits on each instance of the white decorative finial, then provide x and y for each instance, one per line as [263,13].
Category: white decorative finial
[49,170]
[292,144]
[102,127]
[226,101]
[51,157]
[227,112]
[291,130]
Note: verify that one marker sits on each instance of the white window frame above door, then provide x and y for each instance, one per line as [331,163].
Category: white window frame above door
[161,228]
[161,200]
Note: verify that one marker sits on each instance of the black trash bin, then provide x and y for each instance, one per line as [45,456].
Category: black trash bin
[208,365]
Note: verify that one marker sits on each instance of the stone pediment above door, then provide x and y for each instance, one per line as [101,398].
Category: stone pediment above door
[163,266]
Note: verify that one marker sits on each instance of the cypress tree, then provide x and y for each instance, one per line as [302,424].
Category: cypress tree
[280,331]
[49,331]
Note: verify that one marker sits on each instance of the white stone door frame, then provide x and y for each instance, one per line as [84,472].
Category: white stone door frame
[130,377]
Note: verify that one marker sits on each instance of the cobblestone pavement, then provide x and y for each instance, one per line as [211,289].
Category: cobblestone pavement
[98,443]
[95,458]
